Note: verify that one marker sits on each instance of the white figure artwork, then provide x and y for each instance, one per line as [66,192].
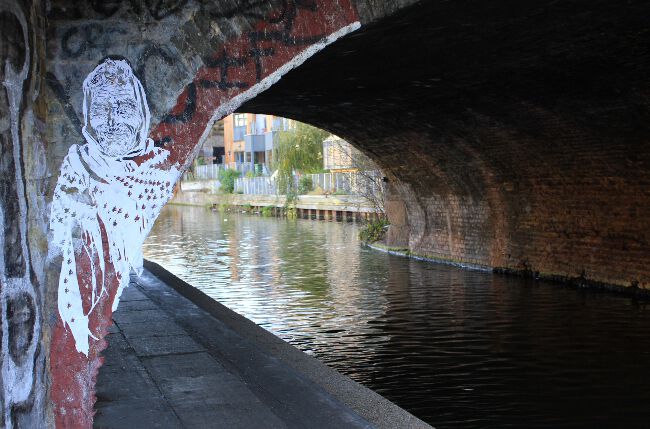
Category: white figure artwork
[102,192]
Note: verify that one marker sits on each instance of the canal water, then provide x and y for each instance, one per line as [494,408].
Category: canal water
[457,348]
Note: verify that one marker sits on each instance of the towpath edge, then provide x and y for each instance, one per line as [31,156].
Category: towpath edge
[179,359]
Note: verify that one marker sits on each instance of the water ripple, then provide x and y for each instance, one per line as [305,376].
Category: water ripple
[459,349]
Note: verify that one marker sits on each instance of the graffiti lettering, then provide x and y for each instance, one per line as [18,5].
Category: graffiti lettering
[77,40]
[246,10]
[160,9]
[287,17]
[63,98]
[106,8]
[149,52]
[223,63]
[273,29]
[257,55]
[188,110]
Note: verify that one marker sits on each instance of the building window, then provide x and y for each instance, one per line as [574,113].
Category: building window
[240,119]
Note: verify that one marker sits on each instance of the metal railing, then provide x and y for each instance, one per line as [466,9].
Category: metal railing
[350,183]
[353,183]
[256,186]
[211,171]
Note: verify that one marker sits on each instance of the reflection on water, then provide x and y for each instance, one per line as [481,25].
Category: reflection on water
[456,348]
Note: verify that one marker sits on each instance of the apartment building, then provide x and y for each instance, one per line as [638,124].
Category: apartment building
[341,156]
[249,137]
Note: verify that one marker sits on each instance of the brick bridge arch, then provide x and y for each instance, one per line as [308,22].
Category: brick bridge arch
[515,138]
[514,134]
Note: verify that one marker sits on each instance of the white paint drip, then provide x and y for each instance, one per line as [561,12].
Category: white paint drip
[18,377]
[102,194]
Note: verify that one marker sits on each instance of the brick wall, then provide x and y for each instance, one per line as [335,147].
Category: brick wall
[514,138]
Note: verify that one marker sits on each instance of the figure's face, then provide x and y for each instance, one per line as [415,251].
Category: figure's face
[115,119]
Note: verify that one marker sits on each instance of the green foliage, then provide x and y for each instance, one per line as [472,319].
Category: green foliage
[298,150]
[267,211]
[247,208]
[227,178]
[340,192]
[257,172]
[305,185]
[200,160]
[292,213]
[373,231]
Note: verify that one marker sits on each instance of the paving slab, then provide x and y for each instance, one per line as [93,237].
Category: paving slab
[189,365]
[166,345]
[145,329]
[132,294]
[152,316]
[136,413]
[136,305]
[215,389]
[228,416]
[113,329]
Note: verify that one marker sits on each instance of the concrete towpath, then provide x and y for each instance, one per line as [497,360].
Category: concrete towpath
[173,363]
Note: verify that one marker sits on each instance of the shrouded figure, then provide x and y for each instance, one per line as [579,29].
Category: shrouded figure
[110,190]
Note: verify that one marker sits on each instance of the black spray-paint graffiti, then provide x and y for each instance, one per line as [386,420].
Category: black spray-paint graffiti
[64,99]
[78,40]
[160,9]
[244,9]
[188,111]
[224,62]
[20,313]
[287,16]
[104,9]
[152,51]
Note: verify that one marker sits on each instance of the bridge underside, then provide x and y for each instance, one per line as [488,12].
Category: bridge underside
[515,135]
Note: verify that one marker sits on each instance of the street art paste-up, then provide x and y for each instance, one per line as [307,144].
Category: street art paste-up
[103,194]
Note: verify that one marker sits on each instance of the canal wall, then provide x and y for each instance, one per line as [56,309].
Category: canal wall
[330,207]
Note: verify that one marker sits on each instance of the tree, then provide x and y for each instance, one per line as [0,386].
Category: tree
[298,150]
[227,179]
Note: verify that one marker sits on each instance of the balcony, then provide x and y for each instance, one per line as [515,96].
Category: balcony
[258,142]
